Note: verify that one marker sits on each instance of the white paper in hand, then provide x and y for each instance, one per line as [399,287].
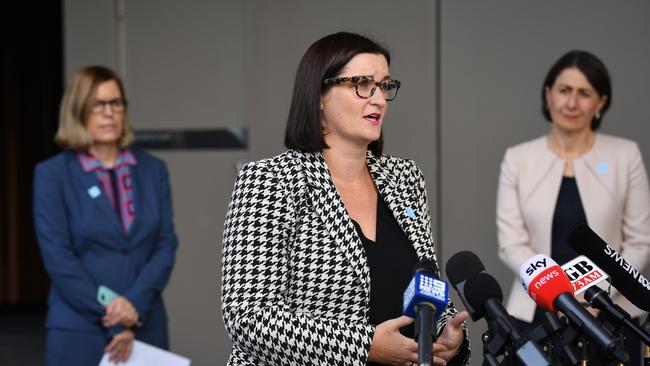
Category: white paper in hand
[147,355]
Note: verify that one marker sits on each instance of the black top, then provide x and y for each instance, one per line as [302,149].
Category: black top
[568,215]
[391,258]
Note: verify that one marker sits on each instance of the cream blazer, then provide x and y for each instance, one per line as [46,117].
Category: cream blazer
[613,186]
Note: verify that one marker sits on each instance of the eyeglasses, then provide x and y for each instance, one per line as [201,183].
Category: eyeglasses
[117,105]
[365,85]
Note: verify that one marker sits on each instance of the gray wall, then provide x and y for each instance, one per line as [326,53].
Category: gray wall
[197,64]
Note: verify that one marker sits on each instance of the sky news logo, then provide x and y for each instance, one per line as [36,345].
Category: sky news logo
[545,277]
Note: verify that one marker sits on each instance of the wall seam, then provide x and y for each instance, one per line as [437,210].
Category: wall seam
[438,129]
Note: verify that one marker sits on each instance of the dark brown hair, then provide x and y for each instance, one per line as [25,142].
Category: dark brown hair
[593,69]
[324,59]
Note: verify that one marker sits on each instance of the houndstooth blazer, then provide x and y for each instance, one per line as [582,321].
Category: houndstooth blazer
[295,279]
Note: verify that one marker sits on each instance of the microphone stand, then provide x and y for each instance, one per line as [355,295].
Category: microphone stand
[557,338]
[543,334]
[496,343]
[581,343]
[646,348]
[583,346]
[561,342]
[495,346]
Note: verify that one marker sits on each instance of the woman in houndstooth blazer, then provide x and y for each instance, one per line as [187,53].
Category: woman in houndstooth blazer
[305,265]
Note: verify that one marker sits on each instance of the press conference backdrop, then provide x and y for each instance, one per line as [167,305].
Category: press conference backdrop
[471,74]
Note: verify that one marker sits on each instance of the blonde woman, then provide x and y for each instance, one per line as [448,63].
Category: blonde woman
[103,217]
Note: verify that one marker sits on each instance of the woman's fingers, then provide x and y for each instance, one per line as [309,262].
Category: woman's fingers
[120,347]
[400,322]
[120,311]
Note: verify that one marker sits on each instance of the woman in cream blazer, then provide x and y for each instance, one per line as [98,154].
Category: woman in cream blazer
[609,174]
[613,187]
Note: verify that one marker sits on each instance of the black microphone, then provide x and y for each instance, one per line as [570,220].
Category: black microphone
[425,299]
[459,267]
[599,299]
[629,281]
[484,294]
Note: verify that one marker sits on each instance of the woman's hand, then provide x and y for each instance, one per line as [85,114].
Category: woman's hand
[121,346]
[389,346]
[450,340]
[120,312]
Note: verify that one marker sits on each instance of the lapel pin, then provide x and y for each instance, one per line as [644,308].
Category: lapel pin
[411,213]
[94,192]
[603,168]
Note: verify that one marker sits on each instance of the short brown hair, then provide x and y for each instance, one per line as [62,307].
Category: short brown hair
[75,106]
[324,59]
[592,68]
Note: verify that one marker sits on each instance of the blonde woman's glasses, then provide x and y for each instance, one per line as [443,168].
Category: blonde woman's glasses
[117,105]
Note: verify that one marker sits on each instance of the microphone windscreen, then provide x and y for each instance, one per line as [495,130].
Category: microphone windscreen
[544,280]
[592,292]
[584,241]
[461,265]
[426,266]
[628,280]
[480,287]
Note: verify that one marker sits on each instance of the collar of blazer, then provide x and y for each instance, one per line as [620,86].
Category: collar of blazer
[597,165]
[398,197]
[87,180]
[397,182]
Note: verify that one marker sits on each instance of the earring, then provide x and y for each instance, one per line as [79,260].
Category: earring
[597,116]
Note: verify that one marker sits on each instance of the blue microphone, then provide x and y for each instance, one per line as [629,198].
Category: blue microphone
[425,299]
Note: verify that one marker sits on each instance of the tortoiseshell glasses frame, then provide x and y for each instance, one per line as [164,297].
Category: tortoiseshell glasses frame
[365,85]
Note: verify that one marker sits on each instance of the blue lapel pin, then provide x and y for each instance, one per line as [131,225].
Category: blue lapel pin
[411,213]
[603,168]
[94,192]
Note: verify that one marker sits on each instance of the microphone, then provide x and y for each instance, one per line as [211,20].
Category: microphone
[425,299]
[598,299]
[459,267]
[484,293]
[629,281]
[583,274]
[548,285]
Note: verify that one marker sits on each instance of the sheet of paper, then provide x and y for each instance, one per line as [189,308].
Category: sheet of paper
[147,355]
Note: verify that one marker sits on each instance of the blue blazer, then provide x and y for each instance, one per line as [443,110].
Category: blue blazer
[83,244]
